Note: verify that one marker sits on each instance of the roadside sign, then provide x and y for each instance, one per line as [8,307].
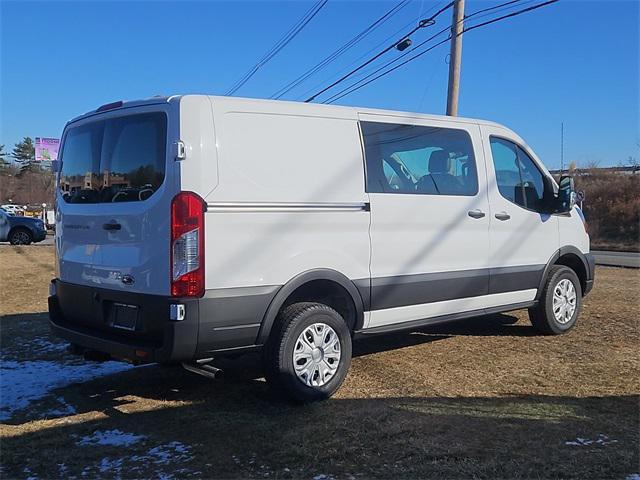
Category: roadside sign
[47,149]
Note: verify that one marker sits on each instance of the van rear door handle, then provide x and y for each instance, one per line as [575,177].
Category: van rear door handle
[112,226]
[503,216]
[475,213]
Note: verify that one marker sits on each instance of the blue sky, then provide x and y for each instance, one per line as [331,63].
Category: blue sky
[575,62]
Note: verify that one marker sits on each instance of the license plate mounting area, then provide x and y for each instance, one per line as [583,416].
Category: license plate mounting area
[124,316]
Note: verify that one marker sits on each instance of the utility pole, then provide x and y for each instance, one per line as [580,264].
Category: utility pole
[561,146]
[456,57]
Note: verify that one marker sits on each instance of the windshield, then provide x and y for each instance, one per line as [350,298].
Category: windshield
[115,160]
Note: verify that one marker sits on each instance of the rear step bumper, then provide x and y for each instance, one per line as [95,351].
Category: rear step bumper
[83,316]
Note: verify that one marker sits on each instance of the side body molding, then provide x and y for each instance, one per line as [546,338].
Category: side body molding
[299,280]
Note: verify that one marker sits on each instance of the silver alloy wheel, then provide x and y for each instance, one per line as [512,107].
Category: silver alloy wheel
[20,238]
[564,300]
[316,355]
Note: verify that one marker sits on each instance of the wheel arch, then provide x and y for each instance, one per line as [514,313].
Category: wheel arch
[571,257]
[316,285]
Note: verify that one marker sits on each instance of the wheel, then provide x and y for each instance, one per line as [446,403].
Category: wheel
[308,353]
[560,302]
[20,236]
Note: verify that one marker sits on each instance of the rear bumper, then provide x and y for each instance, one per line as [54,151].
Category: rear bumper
[591,272]
[222,321]
[85,317]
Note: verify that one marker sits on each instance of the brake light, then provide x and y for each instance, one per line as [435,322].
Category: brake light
[187,245]
[109,106]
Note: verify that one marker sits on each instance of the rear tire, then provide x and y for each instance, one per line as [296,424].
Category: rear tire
[559,304]
[308,353]
[20,236]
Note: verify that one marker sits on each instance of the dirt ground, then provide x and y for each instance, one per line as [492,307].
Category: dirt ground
[483,398]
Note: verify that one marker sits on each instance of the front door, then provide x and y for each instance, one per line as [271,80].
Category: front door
[429,218]
[523,239]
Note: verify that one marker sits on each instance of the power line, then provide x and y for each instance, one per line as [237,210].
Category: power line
[350,90]
[386,40]
[355,61]
[501,7]
[291,33]
[395,60]
[498,8]
[423,23]
[337,53]
[280,44]
[519,12]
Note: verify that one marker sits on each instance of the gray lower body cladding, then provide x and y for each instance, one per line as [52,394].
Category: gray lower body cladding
[591,272]
[225,319]
[403,290]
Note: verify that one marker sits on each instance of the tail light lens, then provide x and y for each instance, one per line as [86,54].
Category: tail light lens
[187,245]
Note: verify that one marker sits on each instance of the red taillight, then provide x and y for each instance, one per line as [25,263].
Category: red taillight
[187,245]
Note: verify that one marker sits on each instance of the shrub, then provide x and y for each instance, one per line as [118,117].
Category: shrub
[611,206]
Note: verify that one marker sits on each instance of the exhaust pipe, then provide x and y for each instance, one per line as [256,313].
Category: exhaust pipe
[202,367]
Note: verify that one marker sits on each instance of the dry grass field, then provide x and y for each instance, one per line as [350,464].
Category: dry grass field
[483,398]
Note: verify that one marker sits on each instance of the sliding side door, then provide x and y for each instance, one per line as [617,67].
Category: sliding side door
[429,218]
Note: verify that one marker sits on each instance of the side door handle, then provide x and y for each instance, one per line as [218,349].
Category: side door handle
[503,216]
[475,213]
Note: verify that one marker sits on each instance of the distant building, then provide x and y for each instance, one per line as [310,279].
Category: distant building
[632,170]
[92,181]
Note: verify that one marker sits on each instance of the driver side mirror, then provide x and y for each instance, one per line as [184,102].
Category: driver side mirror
[566,198]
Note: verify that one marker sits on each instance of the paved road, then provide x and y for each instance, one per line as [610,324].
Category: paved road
[617,259]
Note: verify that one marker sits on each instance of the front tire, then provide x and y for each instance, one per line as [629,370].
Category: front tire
[559,304]
[309,352]
[20,236]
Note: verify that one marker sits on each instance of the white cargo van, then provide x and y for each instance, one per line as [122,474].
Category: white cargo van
[192,227]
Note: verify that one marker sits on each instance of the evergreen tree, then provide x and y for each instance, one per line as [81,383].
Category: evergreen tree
[24,153]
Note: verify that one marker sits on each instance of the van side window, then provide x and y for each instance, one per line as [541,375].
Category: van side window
[415,159]
[519,179]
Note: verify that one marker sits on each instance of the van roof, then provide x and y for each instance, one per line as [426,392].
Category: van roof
[312,107]
[354,110]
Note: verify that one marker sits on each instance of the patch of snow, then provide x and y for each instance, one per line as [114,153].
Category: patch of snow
[583,442]
[158,458]
[633,476]
[30,475]
[173,451]
[110,437]
[24,382]
[110,466]
[42,345]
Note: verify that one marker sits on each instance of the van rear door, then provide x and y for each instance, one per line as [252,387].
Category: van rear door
[115,186]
